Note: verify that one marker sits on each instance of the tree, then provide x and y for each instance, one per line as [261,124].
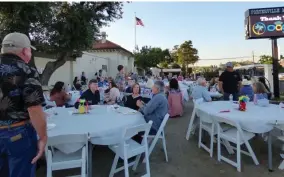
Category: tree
[174,53]
[265,59]
[60,28]
[148,57]
[187,54]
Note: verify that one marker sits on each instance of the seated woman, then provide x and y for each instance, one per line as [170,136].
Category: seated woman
[175,99]
[131,100]
[247,89]
[262,80]
[200,91]
[92,95]
[76,84]
[59,95]
[114,93]
[260,91]
[213,85]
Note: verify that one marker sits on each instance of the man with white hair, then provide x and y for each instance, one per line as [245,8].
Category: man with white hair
[21,113]
[156,108]
[201,91]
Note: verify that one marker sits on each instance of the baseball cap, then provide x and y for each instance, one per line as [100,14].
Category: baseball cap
[17,40]
[229,64]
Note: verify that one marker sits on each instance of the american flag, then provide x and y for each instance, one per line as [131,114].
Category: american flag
[139,21]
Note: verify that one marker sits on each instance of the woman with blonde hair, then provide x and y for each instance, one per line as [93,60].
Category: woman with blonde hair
[260,91]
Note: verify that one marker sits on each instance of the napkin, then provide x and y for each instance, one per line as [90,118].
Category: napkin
[224,111]
[126,111]
[50,126]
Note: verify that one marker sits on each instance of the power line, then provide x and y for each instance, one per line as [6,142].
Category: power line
[229,58]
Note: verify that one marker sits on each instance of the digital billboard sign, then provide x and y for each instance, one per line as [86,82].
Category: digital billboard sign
[264,23]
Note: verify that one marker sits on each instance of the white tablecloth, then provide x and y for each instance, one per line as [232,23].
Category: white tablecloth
[103,123]
[255,119]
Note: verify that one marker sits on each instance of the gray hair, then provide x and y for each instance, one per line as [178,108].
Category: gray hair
[160,85]
[200,80]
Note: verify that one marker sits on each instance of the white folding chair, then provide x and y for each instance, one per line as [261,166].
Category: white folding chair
[281,166]
[128,148]
[57,160]
[160,135]
[207,123]
[195,105]
[237,136]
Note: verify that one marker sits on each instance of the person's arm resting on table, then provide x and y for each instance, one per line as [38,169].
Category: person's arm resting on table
[33,98]
[206,95]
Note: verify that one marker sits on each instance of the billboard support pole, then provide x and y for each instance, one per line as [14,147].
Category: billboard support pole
[275,67]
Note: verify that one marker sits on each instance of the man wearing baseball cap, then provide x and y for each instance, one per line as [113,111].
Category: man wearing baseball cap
[21,114]
[230,82]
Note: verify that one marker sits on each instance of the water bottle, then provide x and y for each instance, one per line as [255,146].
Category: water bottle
[231,98]
[254,99]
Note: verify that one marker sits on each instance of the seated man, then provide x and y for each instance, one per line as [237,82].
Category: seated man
[156,108]
[200,91]
[92,95]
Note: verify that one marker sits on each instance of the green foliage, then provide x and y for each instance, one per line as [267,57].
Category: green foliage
[61,28]
[149,57]
[265,59]
[187,54]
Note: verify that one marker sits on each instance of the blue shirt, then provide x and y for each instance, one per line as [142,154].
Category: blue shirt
[247,90]
[201,92]
[155,110]
[101,84]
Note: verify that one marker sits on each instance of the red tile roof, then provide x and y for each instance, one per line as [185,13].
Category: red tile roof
[98,45]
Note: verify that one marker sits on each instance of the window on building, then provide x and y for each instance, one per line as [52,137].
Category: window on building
[104,67]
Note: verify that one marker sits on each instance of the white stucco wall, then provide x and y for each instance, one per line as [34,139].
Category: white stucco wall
[90,63]
[64,73]
[112,59]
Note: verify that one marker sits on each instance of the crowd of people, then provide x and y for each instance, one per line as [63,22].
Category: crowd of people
[230,83]
[22,121]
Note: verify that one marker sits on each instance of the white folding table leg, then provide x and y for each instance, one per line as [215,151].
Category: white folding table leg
[190,124]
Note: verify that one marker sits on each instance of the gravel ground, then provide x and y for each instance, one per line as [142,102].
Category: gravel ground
[185,158]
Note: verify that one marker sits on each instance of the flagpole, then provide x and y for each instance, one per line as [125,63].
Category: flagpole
[135,32]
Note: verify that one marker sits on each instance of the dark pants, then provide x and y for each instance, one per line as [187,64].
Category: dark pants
[227,95]
[18,146]
[138,138]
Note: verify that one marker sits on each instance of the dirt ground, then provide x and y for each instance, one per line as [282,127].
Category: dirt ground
[185,158]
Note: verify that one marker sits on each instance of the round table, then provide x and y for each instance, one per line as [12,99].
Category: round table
[104,124]
[255,119]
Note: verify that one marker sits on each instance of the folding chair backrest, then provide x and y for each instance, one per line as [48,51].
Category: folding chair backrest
[65,139]
[132,131]
[163,124]
[196,103]
[230,122]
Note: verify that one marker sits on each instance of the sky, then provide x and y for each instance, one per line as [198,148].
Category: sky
[215,28]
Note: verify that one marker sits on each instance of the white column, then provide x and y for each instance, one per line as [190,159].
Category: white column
[268,75]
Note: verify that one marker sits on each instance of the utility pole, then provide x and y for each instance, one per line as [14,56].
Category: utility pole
[253,57]
[275,67]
